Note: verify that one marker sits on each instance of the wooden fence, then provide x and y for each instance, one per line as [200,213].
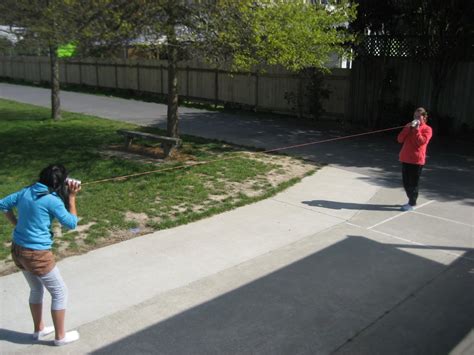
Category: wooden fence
[376,91]
[276,90]
[395,84]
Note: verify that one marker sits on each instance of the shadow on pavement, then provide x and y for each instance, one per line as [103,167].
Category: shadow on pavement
[334,205]
[356,296]
[13,336]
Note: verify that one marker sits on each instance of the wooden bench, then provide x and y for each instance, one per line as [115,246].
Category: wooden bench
[167,143]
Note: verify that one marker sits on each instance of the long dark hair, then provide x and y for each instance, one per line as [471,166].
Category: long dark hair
[54,176]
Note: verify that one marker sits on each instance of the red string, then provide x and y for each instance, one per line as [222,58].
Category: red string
[227,158]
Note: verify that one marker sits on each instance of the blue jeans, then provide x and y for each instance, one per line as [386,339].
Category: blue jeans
[55,285]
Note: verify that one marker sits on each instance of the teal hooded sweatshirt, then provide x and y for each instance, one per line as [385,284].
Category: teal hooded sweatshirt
[37,209]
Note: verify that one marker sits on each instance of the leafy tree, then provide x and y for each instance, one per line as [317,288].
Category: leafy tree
[52,23]
[296,35]
[248,34]
[103,26]
[6,46]
[293,34]
[43,22]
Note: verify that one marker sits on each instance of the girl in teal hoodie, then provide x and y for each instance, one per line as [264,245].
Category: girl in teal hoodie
[38,205]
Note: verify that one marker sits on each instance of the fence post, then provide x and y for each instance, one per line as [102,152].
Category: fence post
[138,76]
[161,79]
[80,72]
[299,98]
[66,80]
[256,92]
[116,75]
[216,85]
[187,82]
[24,69]
[39,68]
[96,74]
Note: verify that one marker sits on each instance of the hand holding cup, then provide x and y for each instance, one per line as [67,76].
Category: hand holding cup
[415,123]
[74,185]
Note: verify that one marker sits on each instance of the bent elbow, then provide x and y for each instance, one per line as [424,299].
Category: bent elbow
[71,223]
[72,226]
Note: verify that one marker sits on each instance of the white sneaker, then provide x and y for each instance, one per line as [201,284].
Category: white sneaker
[42,333]
[407,207]
[70,337]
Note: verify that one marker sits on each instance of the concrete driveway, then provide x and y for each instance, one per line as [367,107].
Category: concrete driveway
[328,266]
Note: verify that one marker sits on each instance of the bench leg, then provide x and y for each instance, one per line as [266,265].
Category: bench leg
[166,149]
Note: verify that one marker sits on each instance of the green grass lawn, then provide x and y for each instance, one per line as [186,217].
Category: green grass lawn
[122,209]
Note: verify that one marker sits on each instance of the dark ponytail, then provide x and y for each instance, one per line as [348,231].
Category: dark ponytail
[54,177]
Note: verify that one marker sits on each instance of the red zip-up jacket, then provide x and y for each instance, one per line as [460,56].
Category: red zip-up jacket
[414,143]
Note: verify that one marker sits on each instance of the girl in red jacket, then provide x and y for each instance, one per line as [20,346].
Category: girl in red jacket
[414,137]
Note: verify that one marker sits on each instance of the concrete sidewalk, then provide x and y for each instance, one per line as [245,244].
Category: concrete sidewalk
[327,266]
[120,276]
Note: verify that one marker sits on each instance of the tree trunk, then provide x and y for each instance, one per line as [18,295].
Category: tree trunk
[55,101]
[172,127]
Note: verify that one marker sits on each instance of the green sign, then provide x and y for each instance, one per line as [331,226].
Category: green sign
[67,50]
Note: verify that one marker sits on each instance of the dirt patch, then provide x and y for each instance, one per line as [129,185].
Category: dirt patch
[290,168]
[144,154]
[120,235]
[139,218]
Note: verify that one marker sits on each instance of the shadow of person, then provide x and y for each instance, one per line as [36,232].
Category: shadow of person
[335,205]
[13,336]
